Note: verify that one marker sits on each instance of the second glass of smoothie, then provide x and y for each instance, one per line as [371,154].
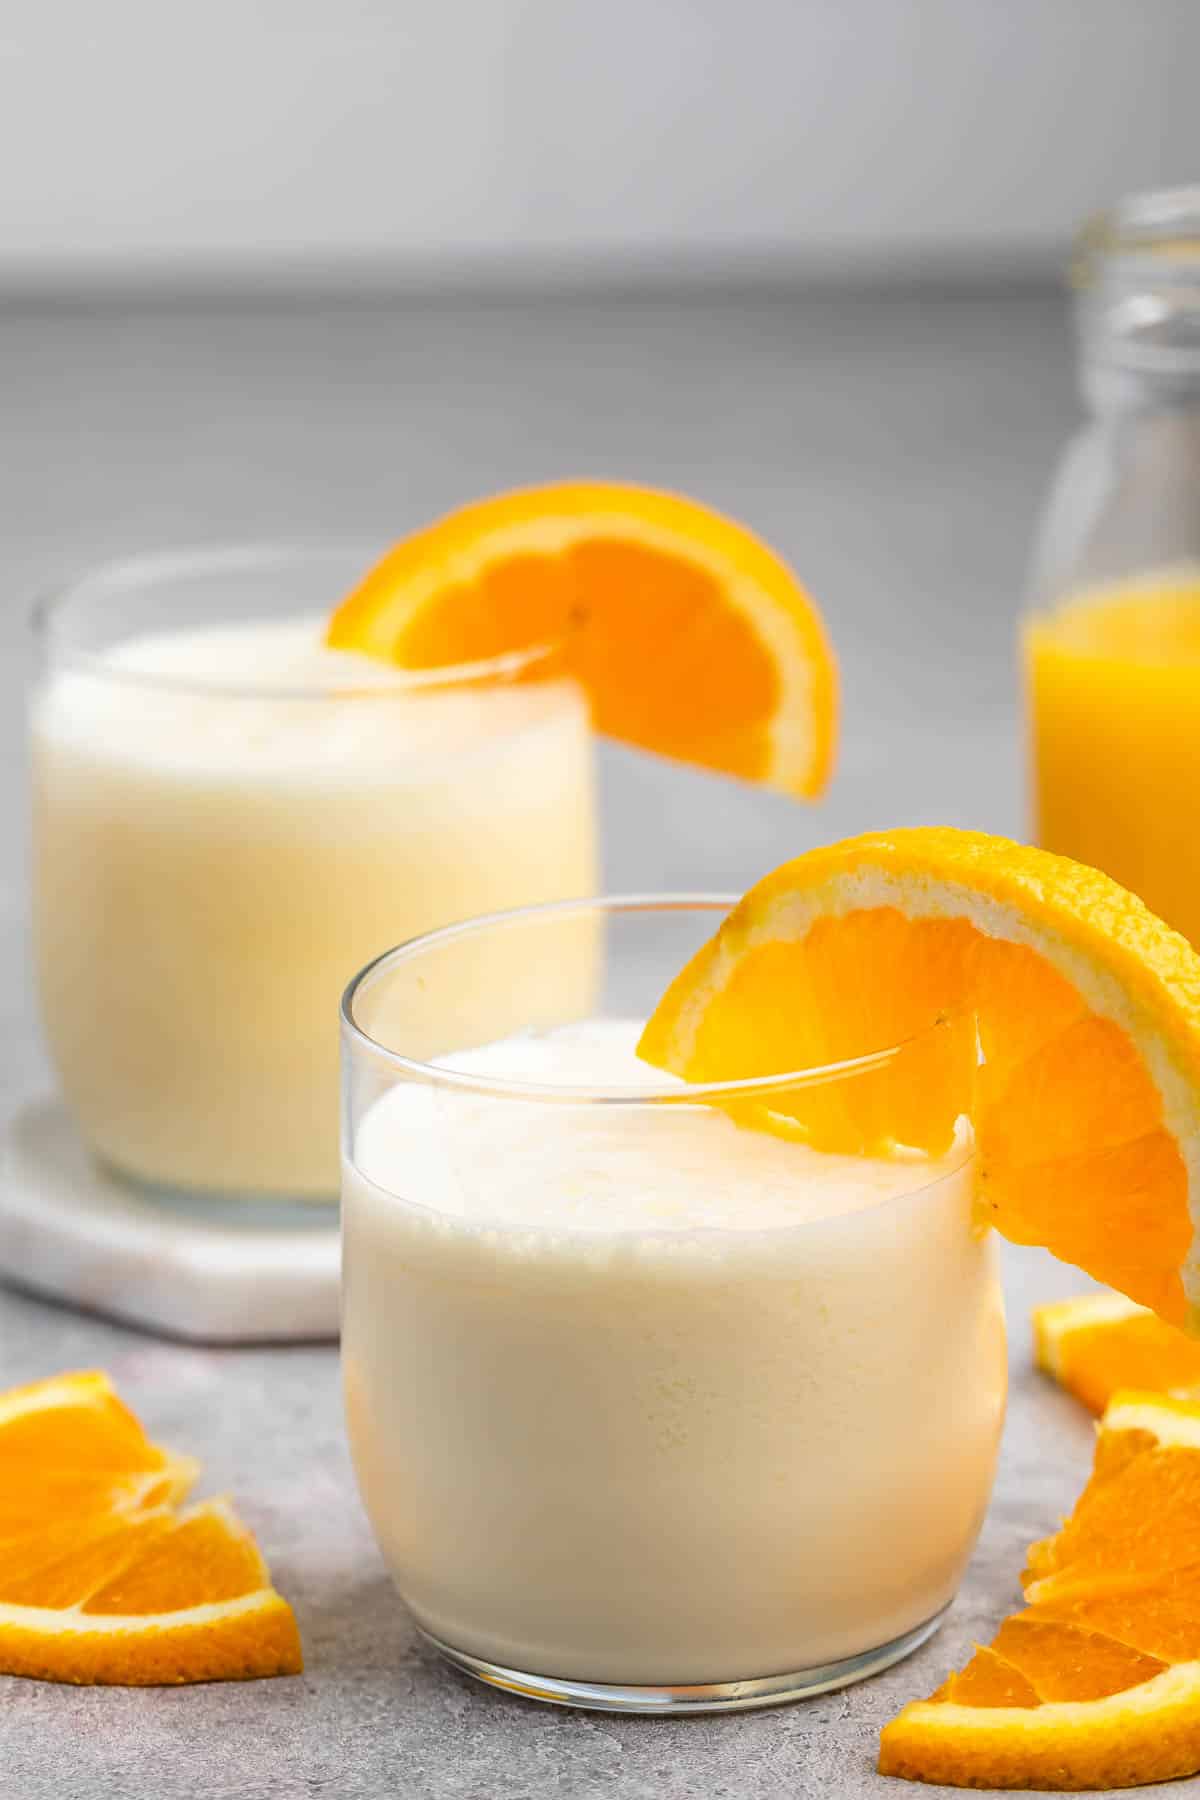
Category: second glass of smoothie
[649,1411]
[229,818]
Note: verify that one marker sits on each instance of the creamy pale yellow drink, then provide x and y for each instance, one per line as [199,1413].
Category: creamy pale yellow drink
[228,822]
[231,817]
[636,1396]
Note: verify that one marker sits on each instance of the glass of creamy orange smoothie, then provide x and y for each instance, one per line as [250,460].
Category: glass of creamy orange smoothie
[230,817]
[649,1411]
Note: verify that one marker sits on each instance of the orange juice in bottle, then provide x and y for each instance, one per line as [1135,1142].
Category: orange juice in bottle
[1113,679]
[1111,649]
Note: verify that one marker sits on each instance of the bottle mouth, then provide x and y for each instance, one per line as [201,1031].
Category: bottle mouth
[1136,273]
[1156,229]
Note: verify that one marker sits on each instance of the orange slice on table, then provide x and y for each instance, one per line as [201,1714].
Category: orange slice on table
[1087,1106]
[102,1579]
[1097,1344]
[1096,1684]
[690,636]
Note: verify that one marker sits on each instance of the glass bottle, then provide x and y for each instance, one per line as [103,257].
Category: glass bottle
[1111,639]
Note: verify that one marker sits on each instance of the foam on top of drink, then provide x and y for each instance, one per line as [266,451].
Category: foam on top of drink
[269,695]
[565,1167]
[248,654]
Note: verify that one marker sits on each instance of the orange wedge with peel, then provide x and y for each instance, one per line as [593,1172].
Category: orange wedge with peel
[1096,1684]
[1096,1344]
[689,635]
[102,1577]
[1086,1104]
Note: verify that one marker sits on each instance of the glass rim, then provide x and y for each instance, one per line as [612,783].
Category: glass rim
[140,569]
[677,1093]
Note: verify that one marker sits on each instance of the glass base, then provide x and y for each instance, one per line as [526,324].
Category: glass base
[711,1697]
[229,1207]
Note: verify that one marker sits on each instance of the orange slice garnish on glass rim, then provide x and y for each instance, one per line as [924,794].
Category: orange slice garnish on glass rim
[1096,1684]
[690,636]
[102,1579]
[1086,1108]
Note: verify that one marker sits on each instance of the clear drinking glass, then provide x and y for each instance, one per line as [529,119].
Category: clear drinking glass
[1112,637]
[229,819]
[649,1411]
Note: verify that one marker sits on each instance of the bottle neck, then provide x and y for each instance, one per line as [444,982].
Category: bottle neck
[1110,387]
[1137,276]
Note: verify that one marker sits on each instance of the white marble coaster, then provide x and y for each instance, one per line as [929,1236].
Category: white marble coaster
[70,1231]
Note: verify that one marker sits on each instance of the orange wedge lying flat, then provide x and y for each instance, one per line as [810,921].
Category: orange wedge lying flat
[1098,1343]
[690,636]
[1096,1684]
[101,1579]
[1087,1106]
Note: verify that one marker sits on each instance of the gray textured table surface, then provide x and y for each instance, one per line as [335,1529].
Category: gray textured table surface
[897,448]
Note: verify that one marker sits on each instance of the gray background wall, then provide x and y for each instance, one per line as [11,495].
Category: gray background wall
[552,136]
